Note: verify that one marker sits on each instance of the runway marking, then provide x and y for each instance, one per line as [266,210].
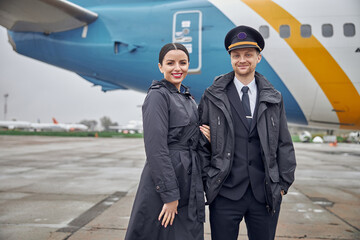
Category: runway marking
[91,214]
[326,207]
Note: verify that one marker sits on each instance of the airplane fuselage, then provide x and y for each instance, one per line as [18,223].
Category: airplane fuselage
[310,55]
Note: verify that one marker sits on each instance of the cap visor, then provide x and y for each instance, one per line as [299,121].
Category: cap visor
[244,46]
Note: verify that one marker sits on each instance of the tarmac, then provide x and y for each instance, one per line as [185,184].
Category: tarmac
[62,188]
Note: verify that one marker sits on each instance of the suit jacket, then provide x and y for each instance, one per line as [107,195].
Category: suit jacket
[247,167]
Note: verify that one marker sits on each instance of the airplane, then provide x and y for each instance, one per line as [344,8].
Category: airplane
[46,127]
[133,126]
[11,125]
[54,126]
[70,127]
[311,54]
[24,125]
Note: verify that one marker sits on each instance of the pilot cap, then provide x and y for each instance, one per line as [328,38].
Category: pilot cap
[243,37]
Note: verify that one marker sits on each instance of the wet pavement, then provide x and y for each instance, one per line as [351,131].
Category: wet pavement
[83,188]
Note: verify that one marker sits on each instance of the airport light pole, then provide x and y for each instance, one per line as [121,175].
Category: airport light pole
[6,95]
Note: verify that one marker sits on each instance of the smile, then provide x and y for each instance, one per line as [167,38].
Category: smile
[243,67]
[177,75]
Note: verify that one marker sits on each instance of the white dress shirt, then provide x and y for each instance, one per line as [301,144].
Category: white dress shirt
[252,92]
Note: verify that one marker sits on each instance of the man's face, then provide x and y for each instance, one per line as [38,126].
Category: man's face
[244,61]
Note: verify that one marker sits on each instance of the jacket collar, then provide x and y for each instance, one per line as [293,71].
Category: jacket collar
[168,85]
[267,93]
[221,82]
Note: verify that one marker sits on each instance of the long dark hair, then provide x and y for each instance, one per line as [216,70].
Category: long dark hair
[172,46]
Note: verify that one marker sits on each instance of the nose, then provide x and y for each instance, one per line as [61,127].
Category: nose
[242,59]
[177,67]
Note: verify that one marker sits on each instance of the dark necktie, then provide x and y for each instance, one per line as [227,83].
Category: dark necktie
[246,104]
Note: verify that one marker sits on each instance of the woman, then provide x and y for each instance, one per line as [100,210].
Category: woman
[169,203]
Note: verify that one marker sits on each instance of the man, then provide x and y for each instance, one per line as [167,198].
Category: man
[249,162]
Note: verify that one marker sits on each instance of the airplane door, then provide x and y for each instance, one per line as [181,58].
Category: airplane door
[187,27]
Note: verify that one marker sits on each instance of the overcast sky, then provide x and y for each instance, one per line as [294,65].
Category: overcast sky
[40,91]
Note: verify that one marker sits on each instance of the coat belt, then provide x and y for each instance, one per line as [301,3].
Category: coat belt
[196,205]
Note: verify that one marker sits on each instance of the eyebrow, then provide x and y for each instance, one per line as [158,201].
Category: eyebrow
[169,60]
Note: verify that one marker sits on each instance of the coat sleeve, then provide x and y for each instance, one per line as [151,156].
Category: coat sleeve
[156,124]
[204,146]
[285,153]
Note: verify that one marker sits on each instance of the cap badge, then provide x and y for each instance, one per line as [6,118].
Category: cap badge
[242,36]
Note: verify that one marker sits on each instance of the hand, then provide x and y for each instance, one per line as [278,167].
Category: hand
[282,192]
[168,213]
[205,129]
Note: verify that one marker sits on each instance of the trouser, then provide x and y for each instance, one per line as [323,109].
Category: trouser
[226,215]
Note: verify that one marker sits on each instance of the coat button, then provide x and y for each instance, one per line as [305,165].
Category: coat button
[228,154]
[219,180]
[189,172]
[157,187]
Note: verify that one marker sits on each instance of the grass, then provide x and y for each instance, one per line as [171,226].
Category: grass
[295,138]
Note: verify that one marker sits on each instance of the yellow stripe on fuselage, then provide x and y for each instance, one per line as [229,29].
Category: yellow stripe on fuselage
[336,85]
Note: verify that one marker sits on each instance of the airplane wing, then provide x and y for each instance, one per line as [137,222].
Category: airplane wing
[43,15]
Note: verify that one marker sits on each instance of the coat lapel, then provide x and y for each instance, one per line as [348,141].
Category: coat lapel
[234,99]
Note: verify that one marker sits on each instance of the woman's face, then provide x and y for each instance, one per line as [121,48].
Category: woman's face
[175,67]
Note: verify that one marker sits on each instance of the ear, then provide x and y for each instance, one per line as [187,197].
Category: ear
[160,68]
[259,58]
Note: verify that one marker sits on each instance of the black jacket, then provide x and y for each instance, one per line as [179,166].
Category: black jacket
[276,144]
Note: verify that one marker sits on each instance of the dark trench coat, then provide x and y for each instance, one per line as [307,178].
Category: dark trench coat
[172,170]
